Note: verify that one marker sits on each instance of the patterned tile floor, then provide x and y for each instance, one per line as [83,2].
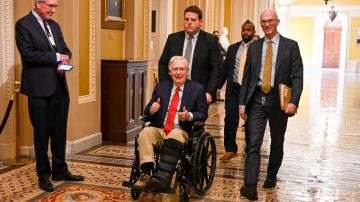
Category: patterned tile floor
[321,161]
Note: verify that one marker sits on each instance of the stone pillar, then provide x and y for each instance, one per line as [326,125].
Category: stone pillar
[7,78]
[282,9]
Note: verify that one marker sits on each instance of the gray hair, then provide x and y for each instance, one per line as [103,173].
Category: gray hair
[177,57]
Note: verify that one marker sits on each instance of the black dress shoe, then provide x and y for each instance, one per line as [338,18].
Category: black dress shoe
[45,184]
[249,192]
[67,176]
[269,183]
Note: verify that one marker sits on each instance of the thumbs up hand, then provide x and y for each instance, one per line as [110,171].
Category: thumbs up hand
[184,114]
[155,106]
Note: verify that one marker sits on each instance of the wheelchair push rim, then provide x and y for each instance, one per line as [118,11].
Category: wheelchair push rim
[205,160]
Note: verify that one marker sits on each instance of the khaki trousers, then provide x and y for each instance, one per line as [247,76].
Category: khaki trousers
[151,138]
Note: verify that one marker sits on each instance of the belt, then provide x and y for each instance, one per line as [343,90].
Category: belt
[258,89]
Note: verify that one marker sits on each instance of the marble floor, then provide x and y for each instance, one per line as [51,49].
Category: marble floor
[321,161]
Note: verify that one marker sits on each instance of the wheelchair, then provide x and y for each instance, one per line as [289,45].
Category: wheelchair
[195,171]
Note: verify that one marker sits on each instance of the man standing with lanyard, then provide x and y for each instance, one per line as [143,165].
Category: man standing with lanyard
[43,49]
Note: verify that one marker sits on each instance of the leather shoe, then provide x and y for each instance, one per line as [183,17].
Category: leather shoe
[269,183]
[143,181]
[67,176]
[45,184]
[249,192]
[228,155]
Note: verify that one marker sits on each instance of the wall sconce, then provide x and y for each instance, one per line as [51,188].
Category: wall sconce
[332,13]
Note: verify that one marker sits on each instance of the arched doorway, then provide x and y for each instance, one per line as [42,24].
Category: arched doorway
[332,44]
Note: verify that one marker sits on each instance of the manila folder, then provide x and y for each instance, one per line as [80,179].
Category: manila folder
[285,95]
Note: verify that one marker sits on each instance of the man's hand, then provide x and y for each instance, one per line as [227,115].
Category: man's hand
[242,113]
[155,106]
[64,59]
[184,115]
[291,109]
[208,98]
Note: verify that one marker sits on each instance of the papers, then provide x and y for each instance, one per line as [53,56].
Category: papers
[65,67]
[284,95]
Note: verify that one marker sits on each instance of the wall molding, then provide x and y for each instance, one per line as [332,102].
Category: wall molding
[72,147]
[92,60]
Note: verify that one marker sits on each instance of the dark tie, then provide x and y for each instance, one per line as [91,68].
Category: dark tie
[169,124]
[266,82]
[188,49]
[48,34]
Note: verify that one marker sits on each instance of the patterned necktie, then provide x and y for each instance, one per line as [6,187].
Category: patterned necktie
[266,82]
[188,49]
[242,63]
[169,124]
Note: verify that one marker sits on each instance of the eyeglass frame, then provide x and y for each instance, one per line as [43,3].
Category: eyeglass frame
[270,21]
[50,6]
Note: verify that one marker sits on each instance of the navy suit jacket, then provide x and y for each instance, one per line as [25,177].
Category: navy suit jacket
[288,70]
[39,65]
[227,70]
[193,98]
[206,61]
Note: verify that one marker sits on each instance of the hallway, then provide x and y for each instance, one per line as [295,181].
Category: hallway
[321,161]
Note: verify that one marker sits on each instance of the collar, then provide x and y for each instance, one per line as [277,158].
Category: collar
[194,37]
[274,40]
[36,15]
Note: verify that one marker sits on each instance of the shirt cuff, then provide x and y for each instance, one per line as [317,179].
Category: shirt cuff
[58,59]
[191,117]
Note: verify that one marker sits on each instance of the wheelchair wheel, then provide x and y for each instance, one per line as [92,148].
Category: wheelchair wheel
[205,160]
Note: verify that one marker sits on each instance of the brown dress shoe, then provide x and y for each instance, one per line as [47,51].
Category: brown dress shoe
[143,181]
[227,156]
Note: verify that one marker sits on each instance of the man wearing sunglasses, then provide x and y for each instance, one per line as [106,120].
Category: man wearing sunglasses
[42,48]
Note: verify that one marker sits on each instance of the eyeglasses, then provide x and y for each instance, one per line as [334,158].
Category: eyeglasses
[270,21]
[176,69]
[50,6]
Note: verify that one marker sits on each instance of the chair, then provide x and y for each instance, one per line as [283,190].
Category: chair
[195,170]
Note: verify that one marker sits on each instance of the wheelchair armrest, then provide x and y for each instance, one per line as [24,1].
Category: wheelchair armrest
[198,126]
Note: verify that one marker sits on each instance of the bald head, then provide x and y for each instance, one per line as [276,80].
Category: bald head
[269,22]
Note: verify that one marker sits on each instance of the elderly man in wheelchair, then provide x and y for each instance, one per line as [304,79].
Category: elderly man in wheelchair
[172,111]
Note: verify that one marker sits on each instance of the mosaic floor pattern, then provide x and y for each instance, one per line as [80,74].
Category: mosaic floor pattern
[321,160]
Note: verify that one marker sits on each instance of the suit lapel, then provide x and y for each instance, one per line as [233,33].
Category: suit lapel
[167,93]
[185,93]
[40,30]
[281,49]
[259,55]
[198,47]
[55,35]
[181,38]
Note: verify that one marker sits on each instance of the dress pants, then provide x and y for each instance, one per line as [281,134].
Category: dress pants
[48,116]
[261,108]
[151,138]
[231,117]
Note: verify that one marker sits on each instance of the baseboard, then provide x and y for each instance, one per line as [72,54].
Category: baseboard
[72,147]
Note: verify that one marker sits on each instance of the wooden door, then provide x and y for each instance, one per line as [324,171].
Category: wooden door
[332,43]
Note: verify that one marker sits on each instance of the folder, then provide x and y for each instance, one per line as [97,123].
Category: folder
[285,95]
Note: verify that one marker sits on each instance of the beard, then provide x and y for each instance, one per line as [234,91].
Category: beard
[246,38]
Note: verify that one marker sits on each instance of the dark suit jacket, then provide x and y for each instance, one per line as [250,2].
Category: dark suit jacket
[288,70]
[193,98]
[206,61]
[227,69]
[39,65]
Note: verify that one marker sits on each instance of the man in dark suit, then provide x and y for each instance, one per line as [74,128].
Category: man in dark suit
[174,107]
[200,48]
[270,61]
[234,62]
[42,49]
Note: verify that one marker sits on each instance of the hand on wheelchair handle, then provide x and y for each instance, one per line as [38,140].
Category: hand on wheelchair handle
[184,115]
[155,106]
